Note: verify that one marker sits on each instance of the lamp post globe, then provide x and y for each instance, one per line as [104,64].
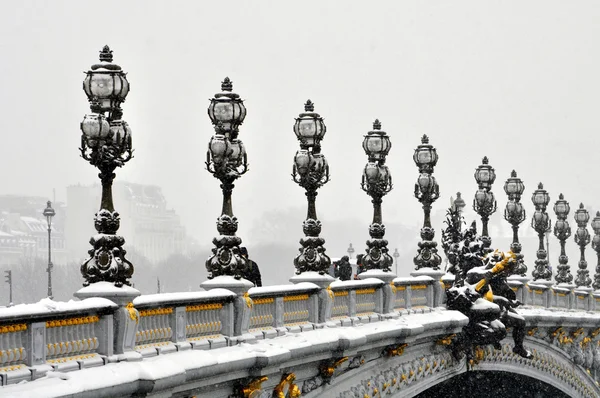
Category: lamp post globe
[49,213]
[562,231]
[541,223]
[582,238]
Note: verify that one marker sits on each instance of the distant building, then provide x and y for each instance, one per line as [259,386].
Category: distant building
[147,225]
[24,231]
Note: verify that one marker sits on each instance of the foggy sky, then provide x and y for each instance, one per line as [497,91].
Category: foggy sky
[516,81]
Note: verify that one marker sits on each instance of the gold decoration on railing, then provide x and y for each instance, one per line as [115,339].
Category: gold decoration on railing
[330,292]
[263,300]
[253,386]
[249,303]
[204,307]
[394,289]
[395,350]
[595,332]
[132,312]
[74,358]
[292,392]
[531,332]
[328,369]
[298,297]
[418,287]
[18,327]
[446,340]
[72,321]
[12,368]
[156,311]
[365,291]
[340,293]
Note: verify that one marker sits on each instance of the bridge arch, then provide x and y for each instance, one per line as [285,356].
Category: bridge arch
[427,369]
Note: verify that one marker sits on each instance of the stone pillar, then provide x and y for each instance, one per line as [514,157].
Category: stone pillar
[439,290]
[325,295]
[125,318]
[242,304]
[518,284]
[543,285]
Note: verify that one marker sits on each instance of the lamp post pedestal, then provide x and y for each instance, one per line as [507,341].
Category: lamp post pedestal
[242,304]
[439,289]
[325,295]
[564,290]
[124,323]
[389,295]
[583,298]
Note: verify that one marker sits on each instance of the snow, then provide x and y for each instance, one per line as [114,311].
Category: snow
[278,289]
[47,307]
[369,282]
[183,297]
[108,288]
[313,276]
[413,280]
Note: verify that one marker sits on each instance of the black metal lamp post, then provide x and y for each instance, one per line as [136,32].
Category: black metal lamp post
[562,231]
[377,182]
[426,191]
[541,223]
[49,213]
[582,238]
[350,251]
[596,245]
[484,202]
[311,172]
[515,215]
[106,144]
[226,160]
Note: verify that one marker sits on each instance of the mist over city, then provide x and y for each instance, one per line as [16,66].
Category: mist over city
[516,82]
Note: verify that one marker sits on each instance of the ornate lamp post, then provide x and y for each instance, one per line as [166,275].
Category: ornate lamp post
[311,172]
[562,231]
[484,202]
[350,251]
[396,255]
[377,182]
[106,144]
[541,224]
[426,191]
[515,215]
[596,246]
[582,238]
[226,160]
[49,213]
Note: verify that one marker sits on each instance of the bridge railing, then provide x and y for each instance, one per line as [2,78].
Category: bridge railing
[278,309]
[356,301]
[178,321]
[413,293]
[65,336]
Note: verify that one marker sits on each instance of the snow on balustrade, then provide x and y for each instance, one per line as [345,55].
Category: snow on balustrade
[355,298]
[12,346]
[290,306]
[412,293]
[71,337]
[177,317]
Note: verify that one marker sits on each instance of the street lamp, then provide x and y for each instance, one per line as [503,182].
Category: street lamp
[396,255]
[226,160]
[426,191]
[514,213]
[541,223]
[350,251]
[484,202]
[596,246]
[106,144]
[562,231]
[311,172]
[49,213]
[377,182]
[582,238]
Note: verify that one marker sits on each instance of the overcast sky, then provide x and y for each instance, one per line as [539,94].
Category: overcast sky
[516,81]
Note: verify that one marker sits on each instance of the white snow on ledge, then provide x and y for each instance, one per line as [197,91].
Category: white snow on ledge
[282,289]
[183,297]
[370,282]
[46,307]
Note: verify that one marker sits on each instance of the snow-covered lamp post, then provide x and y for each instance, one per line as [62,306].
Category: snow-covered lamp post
[106,144]
[562,231]
[596,246]
[311,172]
[427,191]
[484,202]
[582,238]
[49,214]
[377,182]
[226,160]
[542,224]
